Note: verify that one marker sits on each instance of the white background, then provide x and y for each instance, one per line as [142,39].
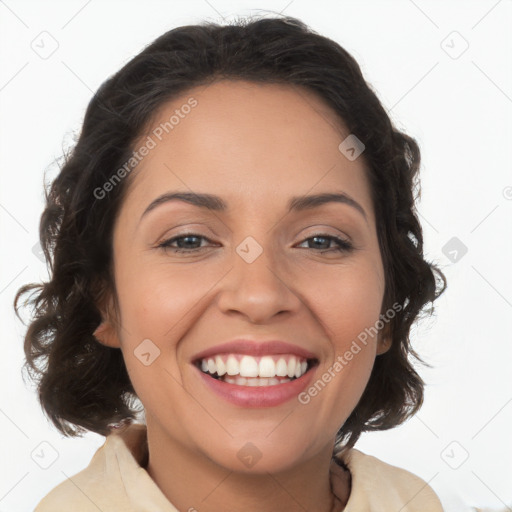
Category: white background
[458,107]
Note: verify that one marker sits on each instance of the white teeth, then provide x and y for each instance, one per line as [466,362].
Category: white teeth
[248,367]
[232,367]
[256,382]
[282,368]
[221,367]
[242,381]
[267,367]
[291,367]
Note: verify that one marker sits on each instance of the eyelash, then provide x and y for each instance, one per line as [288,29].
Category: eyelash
[342,245]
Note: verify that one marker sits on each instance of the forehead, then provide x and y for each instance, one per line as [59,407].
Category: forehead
[248,142]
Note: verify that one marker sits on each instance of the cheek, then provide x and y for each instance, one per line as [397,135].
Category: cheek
[349,306]
[154,300]
[159,304]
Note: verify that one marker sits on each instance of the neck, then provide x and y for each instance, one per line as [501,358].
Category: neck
[192,481]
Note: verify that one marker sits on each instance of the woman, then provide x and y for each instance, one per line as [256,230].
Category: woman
[234,247]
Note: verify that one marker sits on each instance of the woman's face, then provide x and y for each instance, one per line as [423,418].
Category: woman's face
[254,269]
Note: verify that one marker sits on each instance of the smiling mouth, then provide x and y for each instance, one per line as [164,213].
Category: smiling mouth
[246,370]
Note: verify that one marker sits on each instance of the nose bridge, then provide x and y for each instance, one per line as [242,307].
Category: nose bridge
[257,286]
[257,263]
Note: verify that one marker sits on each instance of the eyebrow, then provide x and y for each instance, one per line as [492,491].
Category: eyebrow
[215,203]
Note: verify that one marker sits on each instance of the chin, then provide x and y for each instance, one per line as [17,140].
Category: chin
[259,456]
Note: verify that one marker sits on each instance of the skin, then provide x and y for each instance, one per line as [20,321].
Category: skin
[255,145]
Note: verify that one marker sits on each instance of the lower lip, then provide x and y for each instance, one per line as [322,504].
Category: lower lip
[264,396]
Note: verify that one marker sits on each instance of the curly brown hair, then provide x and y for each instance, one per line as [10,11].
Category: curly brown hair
[83,384]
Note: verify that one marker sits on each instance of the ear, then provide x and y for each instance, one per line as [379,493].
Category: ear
[107,333]
[385,340]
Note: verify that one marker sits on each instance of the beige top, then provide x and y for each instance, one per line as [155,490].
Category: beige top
[115,481]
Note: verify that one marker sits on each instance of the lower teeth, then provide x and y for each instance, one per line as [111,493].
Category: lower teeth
[253,381]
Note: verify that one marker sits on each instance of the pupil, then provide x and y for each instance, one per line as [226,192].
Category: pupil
[184,240]
[316,238]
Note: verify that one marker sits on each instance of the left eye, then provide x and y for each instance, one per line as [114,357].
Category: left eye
[188,243]
[340,244]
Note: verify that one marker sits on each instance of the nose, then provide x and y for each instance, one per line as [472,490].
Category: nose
[259,289]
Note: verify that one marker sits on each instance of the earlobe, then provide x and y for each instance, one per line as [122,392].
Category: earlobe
[384,345]
[106,334]
[385,340]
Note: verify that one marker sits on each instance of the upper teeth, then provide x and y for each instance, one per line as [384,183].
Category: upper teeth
[248,366]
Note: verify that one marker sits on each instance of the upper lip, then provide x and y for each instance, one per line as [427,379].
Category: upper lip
[255,348]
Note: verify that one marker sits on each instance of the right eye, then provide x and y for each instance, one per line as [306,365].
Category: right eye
[184,241]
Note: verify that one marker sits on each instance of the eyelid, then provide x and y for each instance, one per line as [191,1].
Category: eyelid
[325,230]
[188,228]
